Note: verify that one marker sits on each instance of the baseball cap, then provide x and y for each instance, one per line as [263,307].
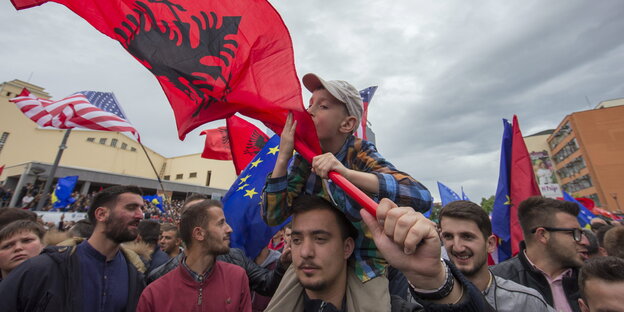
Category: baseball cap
[341,90]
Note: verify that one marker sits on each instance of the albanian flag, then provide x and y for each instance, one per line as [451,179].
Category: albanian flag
[212,58]
[240,141]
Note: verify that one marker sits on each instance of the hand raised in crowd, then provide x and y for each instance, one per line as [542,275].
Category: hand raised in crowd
[409,242]
[287,147]
[286,257]
[324,163]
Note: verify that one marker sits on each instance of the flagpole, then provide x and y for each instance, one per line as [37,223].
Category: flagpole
[48,184]
[162,188]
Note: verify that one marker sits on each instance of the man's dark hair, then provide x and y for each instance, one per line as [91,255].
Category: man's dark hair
[592,248]
[108,197]
[610,269]
[304,203]
[195,216]
[149,231]
[166,227]
[20,226]
[193,197]
[8,215]
[538,211]
[614,242]
[83,228]
[467,210]
[600,234]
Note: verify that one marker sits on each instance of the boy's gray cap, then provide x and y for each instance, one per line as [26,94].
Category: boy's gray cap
[341,90]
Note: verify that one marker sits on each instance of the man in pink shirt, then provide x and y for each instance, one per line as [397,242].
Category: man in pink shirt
[201,283]
[551,254]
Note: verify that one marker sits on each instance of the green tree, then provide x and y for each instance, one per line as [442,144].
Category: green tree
[435,212]
[487,204]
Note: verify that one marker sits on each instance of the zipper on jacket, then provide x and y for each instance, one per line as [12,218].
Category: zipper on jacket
[199,299]
[322,307]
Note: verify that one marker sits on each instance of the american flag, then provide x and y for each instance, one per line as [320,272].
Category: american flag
[84,109]
[366,95]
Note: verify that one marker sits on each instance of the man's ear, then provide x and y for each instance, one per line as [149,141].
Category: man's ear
[348,124]
[582,305]
[541,236]
[491,243]
[349,245]
[198,233]
[101,213]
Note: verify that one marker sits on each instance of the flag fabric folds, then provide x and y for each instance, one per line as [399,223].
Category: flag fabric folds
[85,109]
[501,210]
[217,144]
[246,141]
[242,203]
[584,217]
[367,96]
[61,197]
[239,141]
[522,183]
[516,182]
[212,58]
[447,195]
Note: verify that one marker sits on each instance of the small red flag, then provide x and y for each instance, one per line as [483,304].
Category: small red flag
[217,144]
[1,169]
[522,182]
[246,140]
[240,141]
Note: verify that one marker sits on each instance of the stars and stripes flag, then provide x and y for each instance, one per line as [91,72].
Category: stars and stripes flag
[366,95]
[85,109]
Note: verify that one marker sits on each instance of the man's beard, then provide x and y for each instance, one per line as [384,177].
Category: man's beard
[216,247]
[316,286]
[567,258]
[118,232]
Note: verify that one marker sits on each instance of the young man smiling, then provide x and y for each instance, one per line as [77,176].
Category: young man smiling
[466,232]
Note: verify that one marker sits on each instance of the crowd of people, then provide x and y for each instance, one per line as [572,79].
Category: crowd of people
[333,256]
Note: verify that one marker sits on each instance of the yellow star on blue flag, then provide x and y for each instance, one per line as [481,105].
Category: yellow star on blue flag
[273,150]
[250,193]
[256,163]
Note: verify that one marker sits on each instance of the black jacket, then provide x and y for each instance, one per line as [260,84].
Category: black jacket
[52,282]
[261,280]
[519,270]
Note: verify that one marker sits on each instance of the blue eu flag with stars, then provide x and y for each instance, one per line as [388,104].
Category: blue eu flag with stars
[242,203]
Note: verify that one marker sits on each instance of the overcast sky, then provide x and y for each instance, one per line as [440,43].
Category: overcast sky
[447,71]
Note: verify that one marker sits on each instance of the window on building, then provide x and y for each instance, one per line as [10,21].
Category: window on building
[114,142]
[90,139]
[9,94]
[124,146]
[179,176]
[566,151]
[103,141]
[167,177]
[560,135]
[132,149]
[578,184]
[208,175]
[3,139]
[193,175]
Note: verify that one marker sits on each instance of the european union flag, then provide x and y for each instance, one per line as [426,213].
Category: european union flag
[447,195]
[61,197]
[584,217]
[502,203]
[242,203]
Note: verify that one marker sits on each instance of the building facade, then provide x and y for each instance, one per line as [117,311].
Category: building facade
[587,149]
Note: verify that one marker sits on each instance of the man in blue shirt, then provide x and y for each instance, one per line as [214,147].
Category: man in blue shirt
[95,275]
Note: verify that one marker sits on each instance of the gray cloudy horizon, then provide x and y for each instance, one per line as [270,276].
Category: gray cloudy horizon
[448,72]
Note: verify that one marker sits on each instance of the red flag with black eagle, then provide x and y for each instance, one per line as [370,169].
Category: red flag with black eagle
[212,58]
[240,141]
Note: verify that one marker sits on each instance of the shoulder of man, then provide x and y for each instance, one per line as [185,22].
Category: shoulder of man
[234,256]
[517,295]
[133,258]
[508,269]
